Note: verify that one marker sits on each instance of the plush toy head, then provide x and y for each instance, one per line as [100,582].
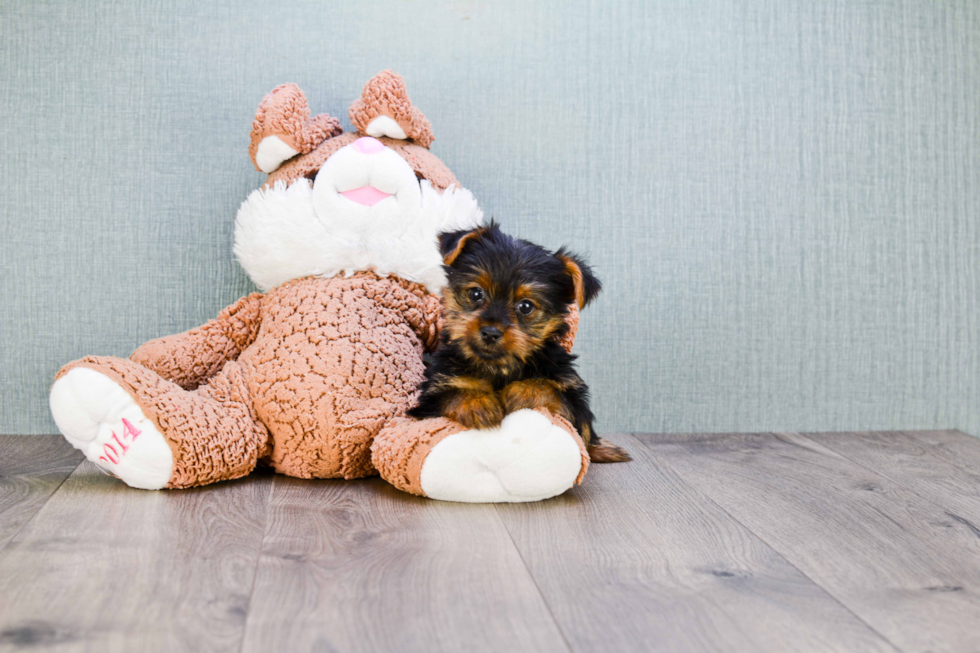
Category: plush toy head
[335,202]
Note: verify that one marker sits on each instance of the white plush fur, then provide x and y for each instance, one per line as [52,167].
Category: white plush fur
[349,169]
[385,126]
[89,409]
[270,154]
[284,233]
[527,458]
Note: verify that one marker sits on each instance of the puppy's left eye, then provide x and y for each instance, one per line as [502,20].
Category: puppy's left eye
[475,295]
[525,307]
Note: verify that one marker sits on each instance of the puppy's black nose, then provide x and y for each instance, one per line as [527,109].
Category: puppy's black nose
[490,334]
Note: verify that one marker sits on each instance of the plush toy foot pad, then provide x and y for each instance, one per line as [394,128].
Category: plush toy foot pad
[101,419]
[527,458]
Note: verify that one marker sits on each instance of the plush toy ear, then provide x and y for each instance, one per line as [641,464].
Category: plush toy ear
[283,128]
[452,243]
[384,109]
[586,284]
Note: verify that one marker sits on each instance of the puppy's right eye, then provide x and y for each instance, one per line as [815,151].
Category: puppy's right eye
[475,295]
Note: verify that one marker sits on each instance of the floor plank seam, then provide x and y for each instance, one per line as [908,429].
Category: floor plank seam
[537,588]
[826,591]
[908,488]
[13,537]
[258,563]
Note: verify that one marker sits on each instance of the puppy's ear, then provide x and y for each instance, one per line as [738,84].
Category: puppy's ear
[452,243]
[586,284]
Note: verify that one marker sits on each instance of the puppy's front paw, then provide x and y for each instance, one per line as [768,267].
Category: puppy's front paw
[478,411]
[531,393]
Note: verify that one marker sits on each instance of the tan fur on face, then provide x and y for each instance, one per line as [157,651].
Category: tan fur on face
[459,324]
[521,338]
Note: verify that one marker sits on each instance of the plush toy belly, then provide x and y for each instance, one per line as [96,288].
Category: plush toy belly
[334,360]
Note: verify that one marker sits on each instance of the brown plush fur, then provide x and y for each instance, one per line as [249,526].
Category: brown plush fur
[385,95]
[299,378]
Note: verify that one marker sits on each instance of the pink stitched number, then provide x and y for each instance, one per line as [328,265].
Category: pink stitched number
[110,457]
[130,433]
[120,443]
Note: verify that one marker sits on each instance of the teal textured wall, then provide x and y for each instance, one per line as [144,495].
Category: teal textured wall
[782,197]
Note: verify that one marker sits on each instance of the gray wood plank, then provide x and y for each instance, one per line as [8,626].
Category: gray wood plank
[636,559]
[956,447]
[915,465]
[360,566]
[108,568]
[900,563]
[31,469]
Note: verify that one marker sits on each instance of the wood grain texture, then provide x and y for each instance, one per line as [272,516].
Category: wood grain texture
[360,566]
[954,447]
[108,568]
[902,564]
[636,559]
[916,466]
[31,469]
[758,542]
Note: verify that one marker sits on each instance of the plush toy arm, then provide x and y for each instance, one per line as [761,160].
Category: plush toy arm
[532,455]
[191,358]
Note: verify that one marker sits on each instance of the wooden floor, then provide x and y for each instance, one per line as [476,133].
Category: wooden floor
[749,542]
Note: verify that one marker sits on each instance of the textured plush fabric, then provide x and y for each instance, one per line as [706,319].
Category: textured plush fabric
[191,358]
[402,447]
[425,164]
[385,95]
[780,196]
[285,113]
[335,361]
[213,432]
[322,366]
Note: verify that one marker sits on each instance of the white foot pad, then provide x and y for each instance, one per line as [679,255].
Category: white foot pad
[101,420]
[527,458]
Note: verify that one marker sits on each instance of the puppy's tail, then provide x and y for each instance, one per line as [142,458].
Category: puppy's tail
[601,451]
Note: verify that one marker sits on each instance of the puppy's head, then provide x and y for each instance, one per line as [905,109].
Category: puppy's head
[506,297]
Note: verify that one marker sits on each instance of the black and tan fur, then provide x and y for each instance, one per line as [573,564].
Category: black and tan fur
[506,306]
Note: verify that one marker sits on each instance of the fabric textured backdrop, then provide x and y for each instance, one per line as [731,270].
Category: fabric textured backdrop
[782,197]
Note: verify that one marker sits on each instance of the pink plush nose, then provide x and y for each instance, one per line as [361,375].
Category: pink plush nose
[368,145]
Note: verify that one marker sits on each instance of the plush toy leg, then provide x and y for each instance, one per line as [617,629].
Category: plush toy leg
[531,456]
[152,433]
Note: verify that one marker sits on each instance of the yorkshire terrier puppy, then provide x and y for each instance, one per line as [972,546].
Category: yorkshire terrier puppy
[505,307]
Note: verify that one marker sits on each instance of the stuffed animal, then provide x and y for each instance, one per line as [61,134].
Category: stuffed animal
[313,376]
